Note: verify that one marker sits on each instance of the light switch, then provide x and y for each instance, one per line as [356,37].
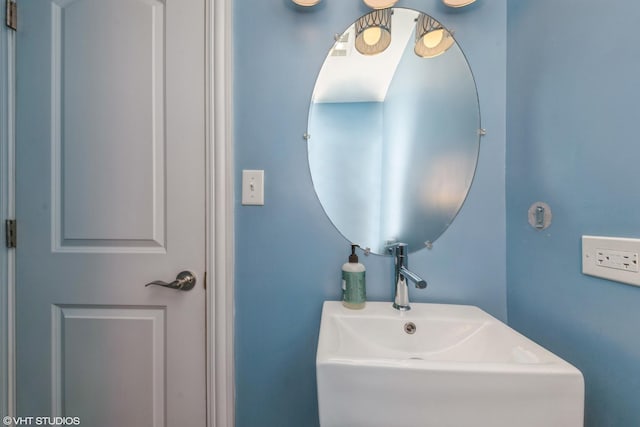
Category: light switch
[253,187]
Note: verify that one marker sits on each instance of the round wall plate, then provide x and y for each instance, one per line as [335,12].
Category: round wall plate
[540,216]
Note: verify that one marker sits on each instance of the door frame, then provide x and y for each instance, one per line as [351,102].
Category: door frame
[219,216]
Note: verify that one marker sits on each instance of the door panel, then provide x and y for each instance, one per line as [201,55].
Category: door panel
[110,176]
[121,349]
[117,142]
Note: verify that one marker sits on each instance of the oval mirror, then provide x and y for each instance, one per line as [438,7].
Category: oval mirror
[394,131]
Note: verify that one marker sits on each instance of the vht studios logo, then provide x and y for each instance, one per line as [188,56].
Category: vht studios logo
[41,421]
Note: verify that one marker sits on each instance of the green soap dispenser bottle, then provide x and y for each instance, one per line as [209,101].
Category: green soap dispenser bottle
[354,292]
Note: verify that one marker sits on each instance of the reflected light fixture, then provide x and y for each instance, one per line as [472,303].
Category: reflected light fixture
[373,32]
[380,4]
[458,3]
[432,39]
[306,2]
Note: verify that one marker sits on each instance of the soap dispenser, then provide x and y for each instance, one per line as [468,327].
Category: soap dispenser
[354,291]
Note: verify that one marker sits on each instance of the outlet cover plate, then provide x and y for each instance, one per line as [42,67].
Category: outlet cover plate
[613,258]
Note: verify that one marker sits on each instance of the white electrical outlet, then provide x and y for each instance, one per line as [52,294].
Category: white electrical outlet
[611,258]
[253,187]
[620,260]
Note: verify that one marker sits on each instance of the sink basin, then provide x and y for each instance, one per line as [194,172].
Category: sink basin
[438,365]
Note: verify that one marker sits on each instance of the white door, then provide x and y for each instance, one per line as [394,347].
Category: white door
[110,164]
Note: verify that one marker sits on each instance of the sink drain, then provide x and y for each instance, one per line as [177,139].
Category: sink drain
[410,328]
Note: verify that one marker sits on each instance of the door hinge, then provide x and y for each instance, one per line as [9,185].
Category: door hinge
[204,282]
[11,233]
[12,14]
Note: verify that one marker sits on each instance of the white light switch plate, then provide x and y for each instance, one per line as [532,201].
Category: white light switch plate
[253,187]
[613,258]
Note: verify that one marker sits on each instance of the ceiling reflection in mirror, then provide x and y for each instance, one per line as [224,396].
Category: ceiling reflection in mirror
[394,136]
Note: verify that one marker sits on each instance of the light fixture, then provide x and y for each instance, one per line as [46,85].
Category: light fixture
[432,39]
[306,2]
[457,3]
[373,32]
[380,4]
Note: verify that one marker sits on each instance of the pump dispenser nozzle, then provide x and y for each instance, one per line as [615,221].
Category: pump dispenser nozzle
[353,257]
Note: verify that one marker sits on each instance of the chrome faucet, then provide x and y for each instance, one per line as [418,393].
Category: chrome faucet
[402,274]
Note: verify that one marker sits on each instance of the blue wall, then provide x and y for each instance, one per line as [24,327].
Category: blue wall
[573,113]
[288,255]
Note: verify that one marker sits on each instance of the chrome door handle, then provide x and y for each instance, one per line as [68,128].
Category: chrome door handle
[185,281]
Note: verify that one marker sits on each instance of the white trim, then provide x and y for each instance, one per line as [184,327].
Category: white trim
[220,244]
[7,210]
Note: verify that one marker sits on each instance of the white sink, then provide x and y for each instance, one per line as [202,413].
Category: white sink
[460,368]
